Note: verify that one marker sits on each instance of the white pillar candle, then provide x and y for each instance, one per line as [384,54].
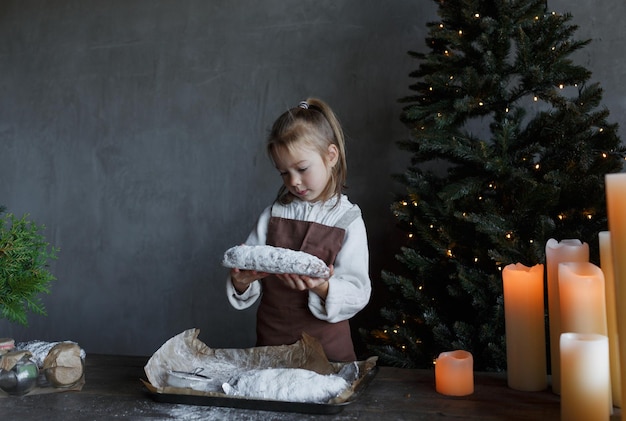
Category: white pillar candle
[585,382]
[606,264]
[582,298]
[557,252]
[615,185]
[525,327]
[454,373]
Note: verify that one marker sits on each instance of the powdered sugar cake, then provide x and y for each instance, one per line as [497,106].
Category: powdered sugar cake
[272,259]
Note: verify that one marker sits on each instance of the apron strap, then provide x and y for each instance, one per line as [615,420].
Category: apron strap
[348,217]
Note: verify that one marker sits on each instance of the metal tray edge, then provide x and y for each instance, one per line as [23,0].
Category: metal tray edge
[266,405]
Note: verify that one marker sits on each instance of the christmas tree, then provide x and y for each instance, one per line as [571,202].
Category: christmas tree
[508,149]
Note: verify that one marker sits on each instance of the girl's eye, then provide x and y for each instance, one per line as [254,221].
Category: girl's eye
[302,169]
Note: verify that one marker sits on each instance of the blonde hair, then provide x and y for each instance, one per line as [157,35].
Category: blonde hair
[314,124]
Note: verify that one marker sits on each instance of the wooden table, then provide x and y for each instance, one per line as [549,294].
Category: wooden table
[113,390]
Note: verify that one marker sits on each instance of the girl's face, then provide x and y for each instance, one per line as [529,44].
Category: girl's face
[305,172]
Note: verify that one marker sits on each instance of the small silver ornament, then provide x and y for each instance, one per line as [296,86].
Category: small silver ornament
[20,379]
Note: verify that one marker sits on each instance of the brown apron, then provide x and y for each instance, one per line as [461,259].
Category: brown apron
[283,314]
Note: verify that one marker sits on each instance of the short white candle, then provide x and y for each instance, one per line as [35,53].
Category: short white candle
[557,252]
[454,373]
[585,377]
[525,327]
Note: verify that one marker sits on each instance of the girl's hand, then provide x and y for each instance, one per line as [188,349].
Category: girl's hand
[303,282]
[241,279]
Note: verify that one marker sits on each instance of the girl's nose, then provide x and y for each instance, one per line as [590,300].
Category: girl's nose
[294,180]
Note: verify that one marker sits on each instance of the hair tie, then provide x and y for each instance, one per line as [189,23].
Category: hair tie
[304,104]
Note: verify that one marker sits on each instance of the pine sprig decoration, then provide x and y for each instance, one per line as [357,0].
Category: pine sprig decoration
[24,274]
[508,149]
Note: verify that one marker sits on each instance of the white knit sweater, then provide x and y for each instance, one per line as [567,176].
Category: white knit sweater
[350,286]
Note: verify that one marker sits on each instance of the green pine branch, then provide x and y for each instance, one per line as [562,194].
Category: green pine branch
[24,257]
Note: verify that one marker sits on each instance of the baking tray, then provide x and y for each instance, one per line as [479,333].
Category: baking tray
[267,405]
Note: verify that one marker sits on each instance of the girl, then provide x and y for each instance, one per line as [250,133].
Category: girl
[311,214]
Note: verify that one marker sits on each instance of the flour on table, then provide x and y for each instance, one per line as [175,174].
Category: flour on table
[287,384]
[271,259]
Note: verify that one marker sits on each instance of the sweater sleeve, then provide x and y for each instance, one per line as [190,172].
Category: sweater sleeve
[258,236]
[350,286]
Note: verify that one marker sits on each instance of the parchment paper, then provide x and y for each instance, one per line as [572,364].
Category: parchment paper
[185,352]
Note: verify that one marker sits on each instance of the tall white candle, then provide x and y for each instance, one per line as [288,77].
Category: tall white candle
[615,185]
[582,298]
[606,264]
[585,382]
[454,373]
[557,252]
[525,327]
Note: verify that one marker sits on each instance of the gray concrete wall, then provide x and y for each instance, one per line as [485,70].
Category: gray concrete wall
[134,130]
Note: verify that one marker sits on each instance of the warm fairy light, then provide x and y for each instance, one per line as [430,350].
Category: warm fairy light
[561,86]
[421,287]
[476,15]
[404,203]
[508,235]
[411,235]
[506,109]
[604,155]
[460,32]
[430,88]
[414,203]
[475,259]
[439,114]
[531,241]
[449,253]
[481,103]
[431,226]
[441,25]
[537,166]
[535,98]
[446,52]
[561,216]
[536,17]
[601,129]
